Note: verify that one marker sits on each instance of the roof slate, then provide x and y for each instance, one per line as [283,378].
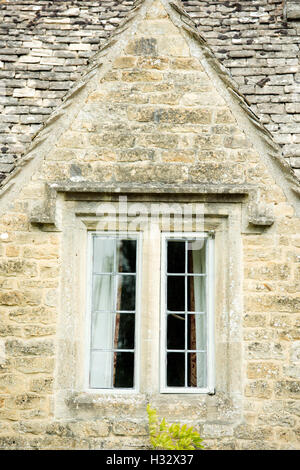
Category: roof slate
[45,45]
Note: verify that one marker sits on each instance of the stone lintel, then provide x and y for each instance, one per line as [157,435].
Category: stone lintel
[45,216]
[151,188]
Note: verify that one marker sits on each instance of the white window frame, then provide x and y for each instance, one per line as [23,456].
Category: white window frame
[125,235]
[210,389]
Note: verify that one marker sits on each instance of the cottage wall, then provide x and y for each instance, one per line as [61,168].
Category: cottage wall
[153,115]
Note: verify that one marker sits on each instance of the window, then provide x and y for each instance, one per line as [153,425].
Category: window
[187,323]
[186,313]
[113,312]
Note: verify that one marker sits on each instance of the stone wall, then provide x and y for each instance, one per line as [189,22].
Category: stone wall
[153,115]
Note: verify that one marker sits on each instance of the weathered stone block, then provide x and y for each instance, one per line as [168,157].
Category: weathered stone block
[159,140]
[42,385]
[216,173]
[116,140]
[208,142]
[29,348]
[178,156]
[136,154]
[265,350]
[258,389]
[245,431]
[32,315]
[33,364]
[270,302]
[73,140]
[153,63]
[142,46]
[10,383]
[41,252]
[26,401]
[82,429]
[125,62]
[270,271]
[200,99]
[17,267]
[32,331]
[14,222]
[142,76]
[164,98]
[170,115]
[287,389]
[255,320]
[237,142]
[157,27]
[132,428]
[19,298]
[262,370]
[175,46]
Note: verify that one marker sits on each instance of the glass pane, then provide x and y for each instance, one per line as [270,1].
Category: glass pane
[126,292]
[102,331]
[126,256]
[124,326]
[196,293]
[176,257]
[103,255]
[176,331]
[175,369]
[103,292]
[197,332]
[110,369]
[124,369]
[101,369]
[197,372]
[176,293]
[113,331]
[196,256]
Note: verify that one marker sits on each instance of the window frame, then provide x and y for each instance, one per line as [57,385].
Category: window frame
[125,235]
[182,236]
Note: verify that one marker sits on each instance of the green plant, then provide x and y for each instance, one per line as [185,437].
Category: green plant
[172,436]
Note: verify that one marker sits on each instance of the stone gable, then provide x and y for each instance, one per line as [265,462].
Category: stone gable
[154,118]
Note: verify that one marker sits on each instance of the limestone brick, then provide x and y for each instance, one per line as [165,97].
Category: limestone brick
[258,389]
[263,370]
[33,364]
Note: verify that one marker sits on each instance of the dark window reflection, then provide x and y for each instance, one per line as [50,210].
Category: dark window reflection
[124,331]
[126,293]
[123,370]
[176,257]
[176,293]
[175,369]
[127,256]
[176,331]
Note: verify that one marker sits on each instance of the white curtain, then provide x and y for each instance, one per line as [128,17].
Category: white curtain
[103,320]
[199,266]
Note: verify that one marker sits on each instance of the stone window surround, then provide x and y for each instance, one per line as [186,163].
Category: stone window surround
[76,215]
